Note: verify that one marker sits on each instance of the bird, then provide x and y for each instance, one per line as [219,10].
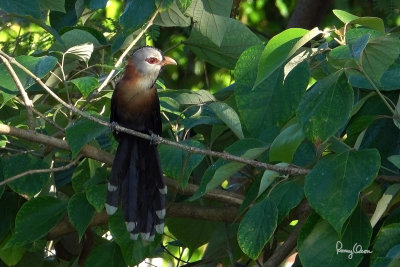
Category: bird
[136,180]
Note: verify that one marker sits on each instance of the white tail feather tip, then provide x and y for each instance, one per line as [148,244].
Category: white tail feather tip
[134,236]
[160,213]
[130,226]
[112,188]
[163,190]
[110,209]
[145,236]
[160,228]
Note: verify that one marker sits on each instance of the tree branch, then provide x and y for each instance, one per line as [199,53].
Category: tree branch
[281,253]
[28,102]
[178,210]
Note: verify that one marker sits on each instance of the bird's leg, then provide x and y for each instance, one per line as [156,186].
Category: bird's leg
[113,125]
[153,138]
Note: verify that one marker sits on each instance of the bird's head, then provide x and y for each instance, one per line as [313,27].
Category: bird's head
[149,61]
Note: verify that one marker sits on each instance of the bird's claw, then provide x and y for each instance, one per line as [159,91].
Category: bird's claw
[153,138]
[113,126]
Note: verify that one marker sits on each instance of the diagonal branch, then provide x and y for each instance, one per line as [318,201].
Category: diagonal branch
[27,101]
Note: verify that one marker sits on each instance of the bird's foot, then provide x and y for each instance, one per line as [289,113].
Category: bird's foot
[153,138]
[113,126]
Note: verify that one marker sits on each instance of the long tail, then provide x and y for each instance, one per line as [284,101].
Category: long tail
[137,182]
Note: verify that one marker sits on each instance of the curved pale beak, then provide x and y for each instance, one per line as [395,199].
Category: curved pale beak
[168,61]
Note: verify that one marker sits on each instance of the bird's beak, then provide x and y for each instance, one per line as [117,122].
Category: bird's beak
[168,61]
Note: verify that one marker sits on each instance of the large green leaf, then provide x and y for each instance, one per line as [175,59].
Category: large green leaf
[29,184]
[229,116]
[223,169]
[210,18]
[85,85]
[134,252]
[334,184]
[80,212]
[192,233]
[257,227]
[82,132]
[286,143]
[35,219]
[96,195]
[379,54]
[172,17]
[286,196]
[237,38]
[179,164]
[386,246]
[279,49]
[135,14]
[263,110]
[55,5]
[388,82]
[22,7]
[107,254]
[320,245]
[40,66]
[326,107]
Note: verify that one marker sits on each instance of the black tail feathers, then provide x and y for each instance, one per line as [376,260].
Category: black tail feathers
[137,182]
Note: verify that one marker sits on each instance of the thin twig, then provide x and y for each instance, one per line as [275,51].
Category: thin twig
[121,58]
[30,172]
[28,102]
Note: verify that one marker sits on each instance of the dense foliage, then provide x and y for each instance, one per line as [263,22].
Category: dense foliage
[314,112]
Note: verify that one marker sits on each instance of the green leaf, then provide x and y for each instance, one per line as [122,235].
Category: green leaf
[348,173]
[178,163]
[55,5]
[387,238]
[12,256]
[326,107]
[192,233]
[85,85]
[184,4]
[82,132]
[96,195]
[97,4]
[286,196]
[257,227]
[29,184]
[358,47]
[136,13]
[383,203]
[223,169]
[279,49]
[286,143]
[105,255]
[22,7]
[370,22]
[229,116]
[134,252]
[268,178]
[344,16]
[395,159]
[40,66]
[172,17]
[80,212]
[263,110]
[82,51]
[237,38]
[388,82]
[9,205]
[210,18]
[187,97]
[379,54]
[35,219]
[75,37]
[318,242]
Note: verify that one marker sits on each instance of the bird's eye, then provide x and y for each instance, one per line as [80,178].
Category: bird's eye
[152,60]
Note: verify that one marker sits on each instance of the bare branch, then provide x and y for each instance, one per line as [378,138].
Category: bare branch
[28,102]
[30,172]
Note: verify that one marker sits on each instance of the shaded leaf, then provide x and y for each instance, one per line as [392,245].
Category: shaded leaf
[22,7]
[318,242]
[387,239]
[135,14]
[326,107]
[229,116]
[96,195]
[105,255]
[80,212]
[81,133]
[85,85]
[257,227]
[348,173]
[172,17]
[35,219]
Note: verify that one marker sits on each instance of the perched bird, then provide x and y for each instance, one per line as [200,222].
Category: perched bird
[136,177]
